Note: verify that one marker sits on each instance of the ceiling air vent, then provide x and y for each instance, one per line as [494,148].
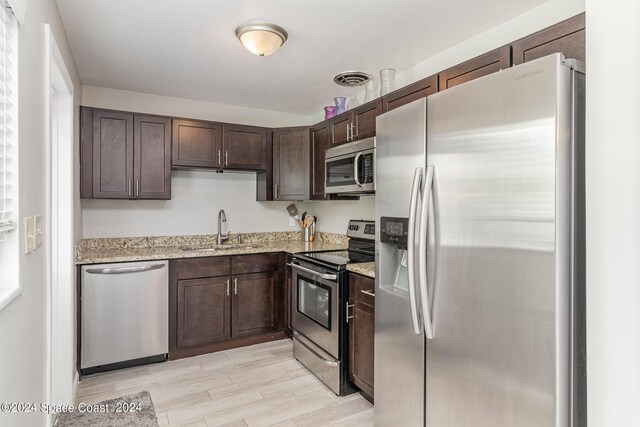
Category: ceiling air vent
[352,78]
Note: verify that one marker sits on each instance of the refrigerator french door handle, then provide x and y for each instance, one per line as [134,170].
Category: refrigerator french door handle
[422,254]
[356,169]
[411,248]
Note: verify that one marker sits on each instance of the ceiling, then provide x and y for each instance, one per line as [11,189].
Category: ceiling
[188,48]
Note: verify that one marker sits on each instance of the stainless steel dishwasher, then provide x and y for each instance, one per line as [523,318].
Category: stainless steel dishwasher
[125,315]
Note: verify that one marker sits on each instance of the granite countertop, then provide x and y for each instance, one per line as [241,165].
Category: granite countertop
[364,268]
[108,250]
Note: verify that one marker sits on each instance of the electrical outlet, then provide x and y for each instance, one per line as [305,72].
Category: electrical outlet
[38,231]
[29,234]
[292,221]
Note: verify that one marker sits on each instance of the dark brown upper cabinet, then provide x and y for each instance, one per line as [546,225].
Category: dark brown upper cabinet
[291,169]
[152,157]
[197,144]
[410,93]
[358,123]
[245,147]
[124,155]
[479,66]
[320,142]
[567,37]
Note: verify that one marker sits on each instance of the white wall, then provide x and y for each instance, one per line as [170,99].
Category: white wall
[613,212]
[198,195]
[23,323]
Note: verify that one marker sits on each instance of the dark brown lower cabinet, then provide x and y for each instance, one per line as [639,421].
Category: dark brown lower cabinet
[361,333]
[222,302]
[254,303]
[204,311]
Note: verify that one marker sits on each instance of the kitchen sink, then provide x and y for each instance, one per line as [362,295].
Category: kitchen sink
[216,248]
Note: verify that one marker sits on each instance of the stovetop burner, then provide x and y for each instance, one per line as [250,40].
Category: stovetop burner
[361,247]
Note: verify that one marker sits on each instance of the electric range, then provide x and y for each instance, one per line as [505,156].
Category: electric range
[319,295]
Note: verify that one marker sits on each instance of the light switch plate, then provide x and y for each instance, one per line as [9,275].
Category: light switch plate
[292,221]
[29,234]
[38,231]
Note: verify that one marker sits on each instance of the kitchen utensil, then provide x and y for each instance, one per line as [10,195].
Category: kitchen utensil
[293,211]
[304,215]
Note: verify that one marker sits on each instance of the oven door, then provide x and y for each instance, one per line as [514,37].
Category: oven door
[350,173]
[314,307]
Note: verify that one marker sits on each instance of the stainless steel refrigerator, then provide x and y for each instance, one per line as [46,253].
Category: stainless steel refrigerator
[480,249]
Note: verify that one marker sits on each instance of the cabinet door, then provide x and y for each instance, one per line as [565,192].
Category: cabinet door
[567,37]
[197,144]
[245,147]
[341,128]
[361,345]
[291,163]
[112,155]
[204,311]
[254,304]
[152,157]
[365,119]
[410,93]
[482,65]
[320,141]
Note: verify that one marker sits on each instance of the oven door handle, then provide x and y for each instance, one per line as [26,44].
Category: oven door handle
[315,273]
[327,362]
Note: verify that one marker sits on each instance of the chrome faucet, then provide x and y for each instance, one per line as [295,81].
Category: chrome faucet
[222,217]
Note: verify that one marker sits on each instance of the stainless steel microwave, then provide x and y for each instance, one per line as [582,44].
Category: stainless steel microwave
[350,168]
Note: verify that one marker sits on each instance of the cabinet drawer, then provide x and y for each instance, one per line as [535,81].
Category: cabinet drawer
[243,264]
[357,284]
[195,268]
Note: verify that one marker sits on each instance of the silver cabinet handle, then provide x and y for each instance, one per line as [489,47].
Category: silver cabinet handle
[218,157]
[227,287]
[348,131]
[137,188]
[315,273]
[226,158]
[129,189]
[353,134]
[370,293]
[124,270]
[355,168]
[422,254]
[327,362]
[235,285]
[276,191]
[411,249]
[349,306]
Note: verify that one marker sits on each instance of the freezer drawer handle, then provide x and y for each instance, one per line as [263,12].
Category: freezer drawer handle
[124,270]
[327,362]
[315,273]
[422,254]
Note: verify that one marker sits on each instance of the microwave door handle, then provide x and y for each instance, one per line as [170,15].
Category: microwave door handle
[422,254]
[411,249]
[356,169]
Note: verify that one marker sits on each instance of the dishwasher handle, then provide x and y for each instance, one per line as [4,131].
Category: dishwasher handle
[124,270]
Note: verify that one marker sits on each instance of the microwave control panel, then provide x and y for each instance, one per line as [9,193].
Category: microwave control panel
[367,168]
[394,230]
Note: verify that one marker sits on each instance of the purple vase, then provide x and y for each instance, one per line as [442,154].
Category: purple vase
[329,112]
[340,104]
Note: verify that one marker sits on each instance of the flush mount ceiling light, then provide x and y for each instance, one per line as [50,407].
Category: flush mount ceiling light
[261,38]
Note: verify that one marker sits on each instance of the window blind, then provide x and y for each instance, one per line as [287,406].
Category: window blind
[8,140]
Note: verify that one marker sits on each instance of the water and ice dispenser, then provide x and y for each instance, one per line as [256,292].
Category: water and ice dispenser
[393,253]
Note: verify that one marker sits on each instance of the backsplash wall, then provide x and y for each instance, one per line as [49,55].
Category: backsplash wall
[197,196]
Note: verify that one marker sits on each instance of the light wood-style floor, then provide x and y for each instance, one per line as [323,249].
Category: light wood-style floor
[261,385]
